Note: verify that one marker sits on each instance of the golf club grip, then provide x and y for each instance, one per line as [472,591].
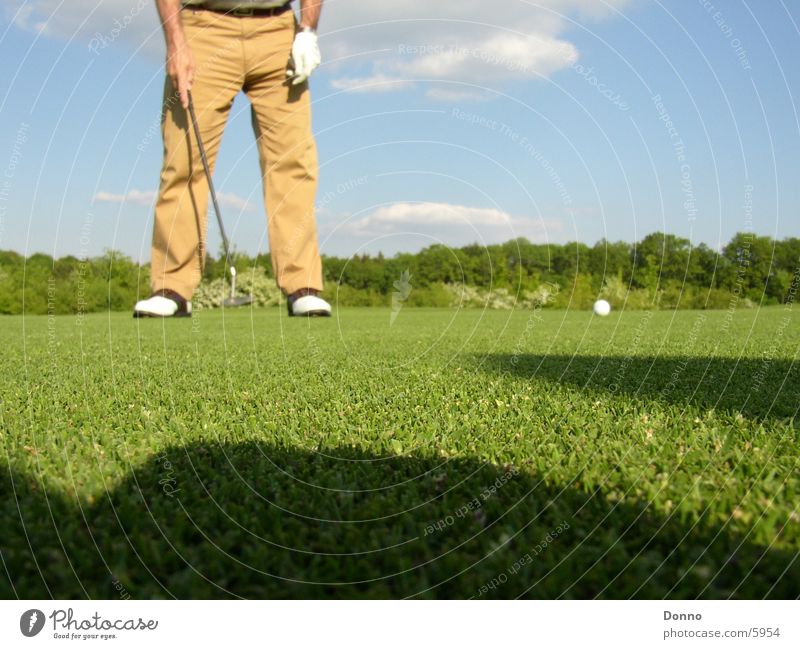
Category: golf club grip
[202,150]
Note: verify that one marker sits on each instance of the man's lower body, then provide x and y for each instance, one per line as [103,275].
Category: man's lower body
[234,53]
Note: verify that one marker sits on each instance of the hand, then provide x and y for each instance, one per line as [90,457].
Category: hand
[180,68]
[305,56]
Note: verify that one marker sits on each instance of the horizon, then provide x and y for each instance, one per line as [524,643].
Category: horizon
[394,255]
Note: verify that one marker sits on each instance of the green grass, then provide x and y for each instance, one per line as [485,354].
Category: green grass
[245,454]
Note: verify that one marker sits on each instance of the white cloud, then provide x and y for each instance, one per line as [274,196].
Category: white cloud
[447,221]
[227,199]
[462,41]
[147,199]
[496,56]
[483,63]
[374,83]
[436,213]
[369,46]
[134,196]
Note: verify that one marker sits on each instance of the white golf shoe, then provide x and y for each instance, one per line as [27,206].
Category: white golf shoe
[163,304]
[307,302]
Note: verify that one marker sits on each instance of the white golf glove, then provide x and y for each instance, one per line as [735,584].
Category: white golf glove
[305,56]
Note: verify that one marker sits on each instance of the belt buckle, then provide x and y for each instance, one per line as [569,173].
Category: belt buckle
[243,11]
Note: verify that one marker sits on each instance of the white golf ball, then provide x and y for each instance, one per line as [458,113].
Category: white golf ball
[602,308]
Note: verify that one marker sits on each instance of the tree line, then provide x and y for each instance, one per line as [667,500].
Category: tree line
[660,271]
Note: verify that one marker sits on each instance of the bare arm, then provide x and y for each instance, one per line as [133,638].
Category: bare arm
[309,13]
[180,62]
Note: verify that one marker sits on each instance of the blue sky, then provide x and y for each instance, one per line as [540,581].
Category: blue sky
[452,122]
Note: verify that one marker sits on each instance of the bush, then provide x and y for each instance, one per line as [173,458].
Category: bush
[344,295]
[646,275]
[463,296]
[578,294]
[252,281]
[436,295]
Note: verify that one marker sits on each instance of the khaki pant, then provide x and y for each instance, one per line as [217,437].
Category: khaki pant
[233,54]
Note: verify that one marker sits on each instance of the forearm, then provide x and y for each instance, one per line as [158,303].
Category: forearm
[309,13]
[180,63]
[170,13]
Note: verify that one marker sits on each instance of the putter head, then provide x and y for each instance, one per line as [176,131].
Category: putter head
[239,300]
[233,299]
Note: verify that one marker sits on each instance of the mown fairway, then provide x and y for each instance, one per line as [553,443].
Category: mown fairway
[452,454]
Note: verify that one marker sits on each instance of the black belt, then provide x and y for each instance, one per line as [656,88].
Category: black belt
[245,12]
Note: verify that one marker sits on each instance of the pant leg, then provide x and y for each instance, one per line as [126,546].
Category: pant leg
[179,232]
[281,116]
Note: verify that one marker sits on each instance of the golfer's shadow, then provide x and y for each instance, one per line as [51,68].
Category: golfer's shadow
[260,521]
[754,388]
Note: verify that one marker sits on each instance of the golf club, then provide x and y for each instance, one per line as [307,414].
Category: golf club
[233,300]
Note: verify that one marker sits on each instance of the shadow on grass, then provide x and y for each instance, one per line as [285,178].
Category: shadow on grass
[756,388]
[252,520]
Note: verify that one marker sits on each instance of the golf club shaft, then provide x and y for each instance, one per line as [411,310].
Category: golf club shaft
[202,149]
